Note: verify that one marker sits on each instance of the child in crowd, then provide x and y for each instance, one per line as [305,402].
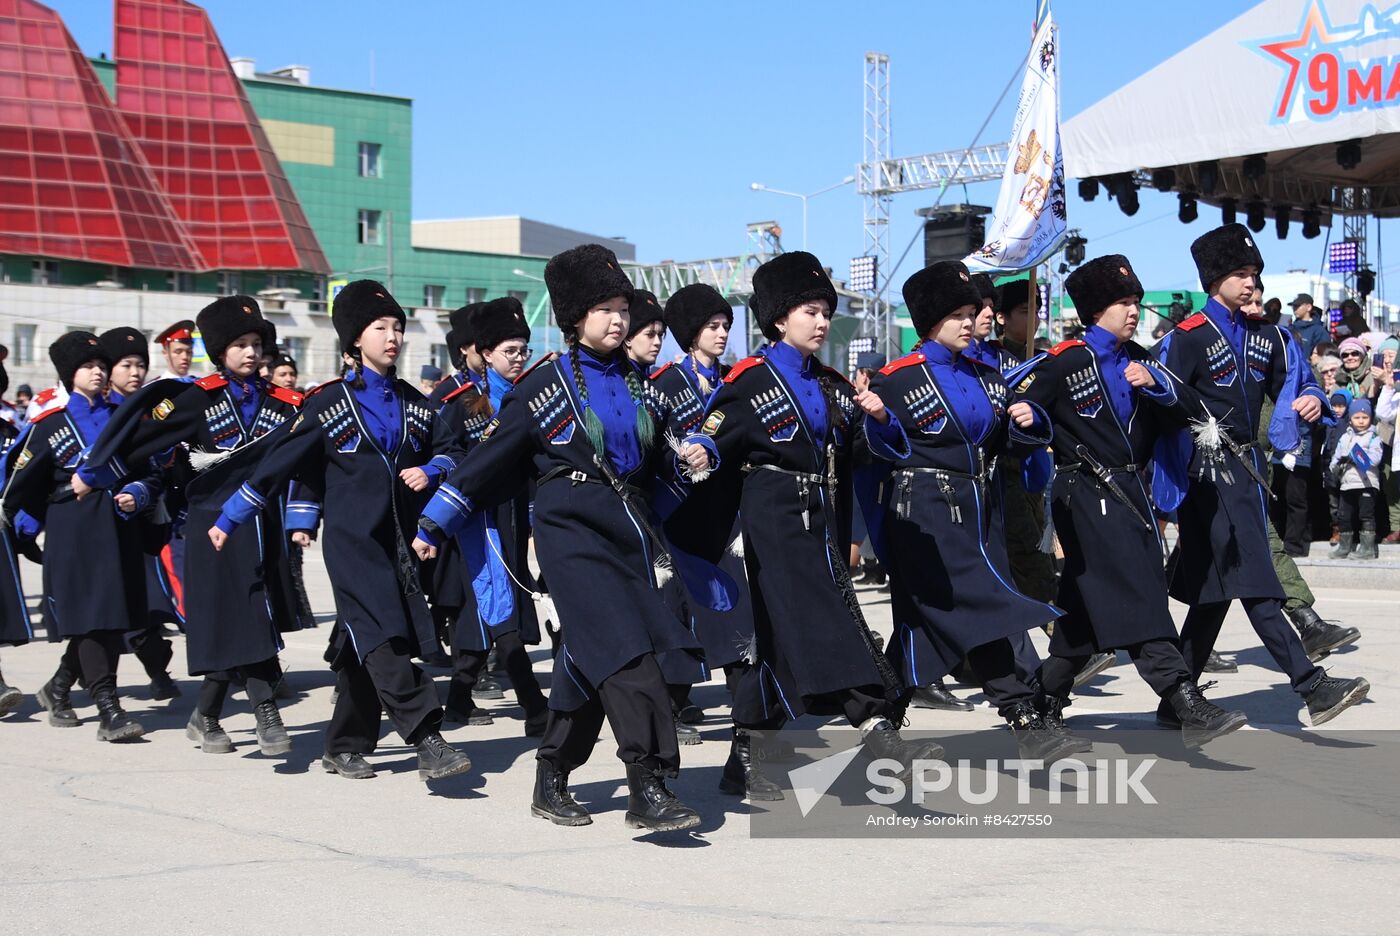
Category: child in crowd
[1356,465]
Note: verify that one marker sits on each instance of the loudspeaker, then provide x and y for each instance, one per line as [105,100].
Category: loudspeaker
[952,235]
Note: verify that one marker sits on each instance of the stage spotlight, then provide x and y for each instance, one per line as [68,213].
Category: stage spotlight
[1365,282]
[1164,180]
[1312,222]
[1282,215]
[1088,189]
[1254,216]
[1186,212]
[1253,167]
[1207,176]
[1074,248]
[1349,154]
[1227,211]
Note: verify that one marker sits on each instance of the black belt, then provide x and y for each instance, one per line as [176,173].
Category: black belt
[804,479]
[581,477]
[902,499]
[1112,469]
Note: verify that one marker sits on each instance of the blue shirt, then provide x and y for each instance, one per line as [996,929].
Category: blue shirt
[497,387]
[380,409]
[611,401]
[89,417]
[963,392]
[698,370]
[1231,325]
[1112,360]
[800,373]
[247,394]
[982,350]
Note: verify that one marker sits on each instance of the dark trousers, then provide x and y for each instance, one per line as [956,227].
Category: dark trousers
[94,657]
[387,681]
[467,666]
[153,649]
[1289,513]
[1356,510]
[1202,627]
[635,702]
[996,667]
[259,679]
[1159,662]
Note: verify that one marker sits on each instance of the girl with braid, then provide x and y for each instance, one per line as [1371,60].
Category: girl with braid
[584,426]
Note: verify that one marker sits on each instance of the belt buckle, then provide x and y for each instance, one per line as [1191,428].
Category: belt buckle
[578,477]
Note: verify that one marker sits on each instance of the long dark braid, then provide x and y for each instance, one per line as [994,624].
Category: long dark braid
[592,425]
[358,382]
[646,428]
[835,414]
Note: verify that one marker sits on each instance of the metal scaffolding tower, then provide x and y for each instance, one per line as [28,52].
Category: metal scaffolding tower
[875,152]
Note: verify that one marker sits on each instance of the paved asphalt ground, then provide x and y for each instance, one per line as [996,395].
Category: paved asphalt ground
[155,837]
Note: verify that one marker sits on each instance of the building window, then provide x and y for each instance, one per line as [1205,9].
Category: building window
[44,273]
[230,283]
[181,282]
[369,227]
[24,343]
[369,160]
[475,294]
[442,359]
[518,294]
[433,296]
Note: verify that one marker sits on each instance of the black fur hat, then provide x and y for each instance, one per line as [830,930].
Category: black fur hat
[1227,248]
[359,304]
[124,341]
[224,319]
[4,376]
[454,349]
[72,351]
[937,291]
[985,287]
[1010,295]
[497,321]
[580,278]
[1100,283]
[690,307]
[785,282]
[642,311]
[460,321]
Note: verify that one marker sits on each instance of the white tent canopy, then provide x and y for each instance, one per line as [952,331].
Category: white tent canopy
[1288,80]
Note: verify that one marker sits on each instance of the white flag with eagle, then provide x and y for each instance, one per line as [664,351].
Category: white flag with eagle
[1029,222]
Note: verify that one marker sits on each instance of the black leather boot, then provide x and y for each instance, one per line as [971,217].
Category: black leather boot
[10,697]
[113,723]
[651,806]
[477,717]
[53,696]
[488,687]
[741,776]
[273,739]
[1052,709]
[206,731]
[1096,665]
[437,759]
[350,766]
[1215,663]
[1034,738]
[552,799]
[1200,719]
[1329,697]
[882,739]
[163,688]
[1320,637]
[686,734]
[936,695]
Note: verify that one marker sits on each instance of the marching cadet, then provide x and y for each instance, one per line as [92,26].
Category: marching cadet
[646,331]
[949,423]
[94,584]
[1232,362]
[583,423]
[237,601]
[700,319]
[1109,401]
[785,426]
[177,347]
[461,347]
[129,353]
[14,613]
[368,443]
[501,337]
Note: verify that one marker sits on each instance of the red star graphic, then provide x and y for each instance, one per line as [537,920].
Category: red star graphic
[1313,24]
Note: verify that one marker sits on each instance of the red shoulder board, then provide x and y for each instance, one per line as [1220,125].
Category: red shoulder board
[1065,346]
[1195,321]
[909,360]
[285,395]
[551,356]
[664,368]
[46,395]
[746,364]
[212,382]
[47,413]
[323,385]
[836,373]
[467,385]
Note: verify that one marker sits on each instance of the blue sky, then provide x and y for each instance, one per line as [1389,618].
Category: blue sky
[650,120]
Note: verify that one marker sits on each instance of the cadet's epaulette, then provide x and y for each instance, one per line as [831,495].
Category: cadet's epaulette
[909,360]
[212,382]
[551,356]
[468,385]
[836,373]
[46,395]
[664,368]
[747,363]
[285,395]
[1194,321]
[323,385]
[1064,346]
[47,413]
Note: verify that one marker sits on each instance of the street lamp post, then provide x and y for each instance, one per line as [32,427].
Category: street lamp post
[540,307]
[760,187]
